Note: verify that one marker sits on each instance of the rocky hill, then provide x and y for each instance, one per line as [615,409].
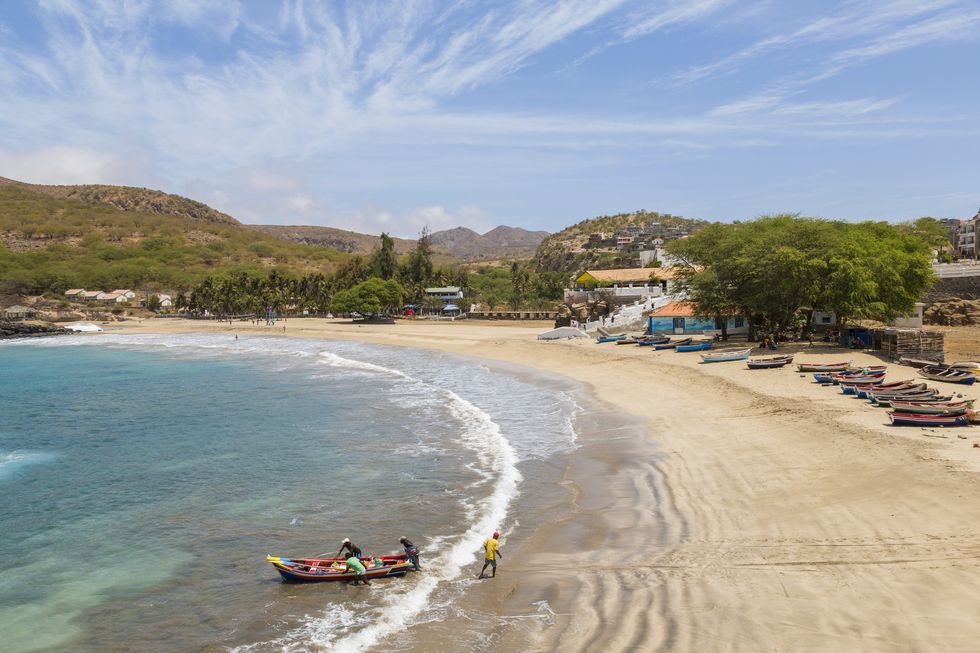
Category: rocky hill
[57,237]
[339,239]
[610,241]
[459,243]
[127,198]
[498,243]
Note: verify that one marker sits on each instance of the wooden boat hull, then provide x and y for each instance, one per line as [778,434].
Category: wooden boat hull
[722,357]
[602,339]
[322,570]
[818,367]
[700,346]
[647,342]
[771,362]
[948,375]
[927,409]
[917,419]
[671,345]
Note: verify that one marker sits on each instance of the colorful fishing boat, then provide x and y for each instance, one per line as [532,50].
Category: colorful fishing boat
[857,375]
[602,339]
[932,408]
[823,367]
[671,345]
[651,340]
[925,395]
[723,356]
[694,346]
[862,392]
[769,362]
[918,419]
[947,374]
[848,387]
[321,570]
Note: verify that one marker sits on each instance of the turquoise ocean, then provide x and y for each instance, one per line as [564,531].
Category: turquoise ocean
[145,478]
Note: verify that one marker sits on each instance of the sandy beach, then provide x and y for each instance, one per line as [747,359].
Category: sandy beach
[757,511]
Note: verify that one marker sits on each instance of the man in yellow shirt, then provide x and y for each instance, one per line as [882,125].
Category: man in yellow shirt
[492,549]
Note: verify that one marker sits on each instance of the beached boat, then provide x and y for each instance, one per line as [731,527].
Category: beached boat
[970,366]
[823,367]
[769,362]
[723,356]
[918,419]
[947,374]
[930,394]
[602,339]
[694,346]
[671,345]
[847,387]
[651,340]
[915,362]
[932,408]
[321,570]
[837,379]
[909,387]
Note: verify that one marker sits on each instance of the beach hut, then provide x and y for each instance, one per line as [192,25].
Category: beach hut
[18,312]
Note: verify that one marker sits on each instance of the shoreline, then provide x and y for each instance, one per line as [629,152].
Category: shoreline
[753,498]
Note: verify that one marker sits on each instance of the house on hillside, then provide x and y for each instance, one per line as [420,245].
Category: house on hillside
[968,238]
[18,312]
[680,318]
[90,295]
[74,293]
[166,301]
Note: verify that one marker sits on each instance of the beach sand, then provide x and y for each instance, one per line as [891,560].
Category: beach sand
[758,511]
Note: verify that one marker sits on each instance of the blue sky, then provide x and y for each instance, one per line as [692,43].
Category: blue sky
[390,115]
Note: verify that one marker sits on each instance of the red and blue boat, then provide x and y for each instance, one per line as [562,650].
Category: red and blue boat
[918,419]
[321,570]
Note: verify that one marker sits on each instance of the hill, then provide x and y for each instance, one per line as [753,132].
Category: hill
[56,237]
[459,243]
[339,239]
[500,242]
[610,241]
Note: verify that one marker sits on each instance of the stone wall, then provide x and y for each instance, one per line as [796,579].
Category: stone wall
[955,287]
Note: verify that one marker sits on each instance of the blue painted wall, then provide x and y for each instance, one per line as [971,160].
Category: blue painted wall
[665,324]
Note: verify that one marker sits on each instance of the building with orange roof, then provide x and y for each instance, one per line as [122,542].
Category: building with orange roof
[680,317]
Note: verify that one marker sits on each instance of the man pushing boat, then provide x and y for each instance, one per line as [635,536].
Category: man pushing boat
[411,552]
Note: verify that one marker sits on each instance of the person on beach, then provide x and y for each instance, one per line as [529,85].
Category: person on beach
[353,549]
[360,574]
[411,551]
[491,552]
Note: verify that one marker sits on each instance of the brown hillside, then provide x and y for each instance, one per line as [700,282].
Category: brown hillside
[127,198]
[340,239]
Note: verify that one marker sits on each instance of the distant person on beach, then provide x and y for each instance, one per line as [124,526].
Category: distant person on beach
[353,549]
[411,551]
[491,552]
[360,575]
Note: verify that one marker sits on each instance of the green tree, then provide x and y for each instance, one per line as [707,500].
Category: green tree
[384,263]
[520,281]
[369,297]
[418,268]
[153,303]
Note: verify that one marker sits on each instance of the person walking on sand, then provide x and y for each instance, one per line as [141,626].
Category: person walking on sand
[360,574]
[353,549]
[491,552]
[411,551]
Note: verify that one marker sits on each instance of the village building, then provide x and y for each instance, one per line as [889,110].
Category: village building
[447,294]
[90,295]
[18,312]
[680,318]
[968,238]
[166,301]
[74,293]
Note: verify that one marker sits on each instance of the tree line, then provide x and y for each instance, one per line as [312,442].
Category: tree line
[379,283]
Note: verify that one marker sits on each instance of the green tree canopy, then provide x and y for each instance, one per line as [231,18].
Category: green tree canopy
[773,268]
[369,297]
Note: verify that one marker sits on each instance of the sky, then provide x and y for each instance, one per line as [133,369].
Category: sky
[392,115]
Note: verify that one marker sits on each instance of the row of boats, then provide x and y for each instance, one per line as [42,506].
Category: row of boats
[689,344]
[912,403]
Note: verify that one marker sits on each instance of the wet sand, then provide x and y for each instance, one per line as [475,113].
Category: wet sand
[754,511]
